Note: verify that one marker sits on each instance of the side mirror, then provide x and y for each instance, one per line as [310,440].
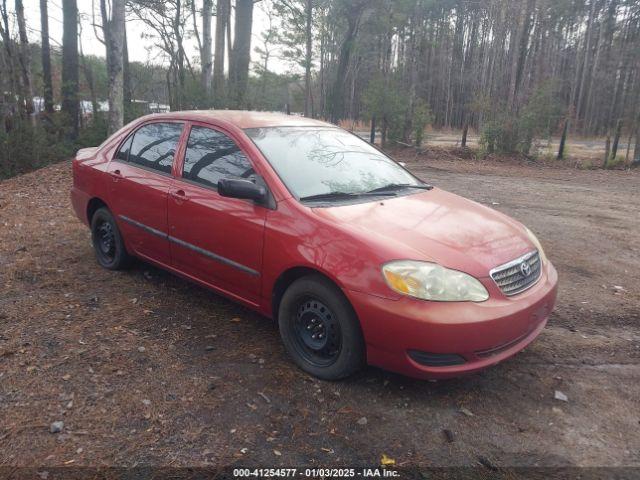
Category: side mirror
[246,189]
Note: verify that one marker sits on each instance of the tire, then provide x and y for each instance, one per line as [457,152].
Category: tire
[320,329]
[107,241]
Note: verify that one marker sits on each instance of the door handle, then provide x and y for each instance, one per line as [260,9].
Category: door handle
[180,195]
[116,175]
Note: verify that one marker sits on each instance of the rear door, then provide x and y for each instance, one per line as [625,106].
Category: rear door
[218,240]
[141,173]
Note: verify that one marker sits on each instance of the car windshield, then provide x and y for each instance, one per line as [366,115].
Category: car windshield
[317,162]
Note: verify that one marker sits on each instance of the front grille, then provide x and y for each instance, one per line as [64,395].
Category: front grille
[519,274]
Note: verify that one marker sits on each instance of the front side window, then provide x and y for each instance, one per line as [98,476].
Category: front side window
[314,161]
[211,155]
[154,145]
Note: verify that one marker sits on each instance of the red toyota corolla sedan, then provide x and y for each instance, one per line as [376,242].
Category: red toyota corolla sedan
[357,259]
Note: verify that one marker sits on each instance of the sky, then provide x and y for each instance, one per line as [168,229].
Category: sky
[138,46]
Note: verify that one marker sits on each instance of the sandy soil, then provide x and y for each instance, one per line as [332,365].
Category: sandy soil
[589,150]
[144,368]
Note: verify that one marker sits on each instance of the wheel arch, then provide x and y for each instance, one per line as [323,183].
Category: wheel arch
[286,278]
[92,207]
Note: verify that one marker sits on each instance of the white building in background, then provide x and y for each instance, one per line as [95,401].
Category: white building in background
[38,105]
[86,107]
[159,108]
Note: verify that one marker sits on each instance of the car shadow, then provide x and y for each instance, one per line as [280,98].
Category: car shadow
[241,329]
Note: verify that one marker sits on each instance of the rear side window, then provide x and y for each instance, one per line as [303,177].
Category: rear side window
[154,146]
[211,155]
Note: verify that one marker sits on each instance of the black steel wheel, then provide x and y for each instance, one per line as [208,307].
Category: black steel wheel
[317,332]
[320,330]
[107,241]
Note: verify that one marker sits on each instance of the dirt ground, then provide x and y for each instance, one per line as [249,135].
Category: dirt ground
[146,369]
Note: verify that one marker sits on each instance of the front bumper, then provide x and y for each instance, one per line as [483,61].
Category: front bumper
[482,333]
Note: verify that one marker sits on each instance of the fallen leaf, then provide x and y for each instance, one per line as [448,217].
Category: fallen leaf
[386,461]
[466,411]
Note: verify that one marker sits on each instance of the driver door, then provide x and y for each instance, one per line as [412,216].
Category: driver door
[216,239]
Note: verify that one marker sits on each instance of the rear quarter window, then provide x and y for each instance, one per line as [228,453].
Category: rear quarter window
[123,153]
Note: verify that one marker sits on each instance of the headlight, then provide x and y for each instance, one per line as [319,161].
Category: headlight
[430,281]
[537,244]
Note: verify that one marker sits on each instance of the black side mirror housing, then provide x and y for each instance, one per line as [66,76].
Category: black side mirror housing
[239,188]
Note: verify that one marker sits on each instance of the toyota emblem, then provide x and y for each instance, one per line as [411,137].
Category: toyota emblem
[525,269]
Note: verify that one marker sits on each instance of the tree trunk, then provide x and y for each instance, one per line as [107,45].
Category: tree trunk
[354,13]
[307,60]
[585,63]
[46,57]
[205,58]
[372,134]
[177,34]
[383,131]
[218,57]
[241,52]
[24,58]
[636,150]
[520,52]
[465,131]
[70,84]
[412,60]
[607,151]
[126,77]
[563,139]
[616,140]
[14,83]
[114,40]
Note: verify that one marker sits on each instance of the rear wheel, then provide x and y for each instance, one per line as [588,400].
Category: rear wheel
[107,241]
[320,330]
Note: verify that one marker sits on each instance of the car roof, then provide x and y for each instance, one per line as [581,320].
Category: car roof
[243,118]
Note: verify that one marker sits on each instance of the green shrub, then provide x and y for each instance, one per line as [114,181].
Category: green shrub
[26,147]
[421,118]
[386,100]
[514,131]
[616,162]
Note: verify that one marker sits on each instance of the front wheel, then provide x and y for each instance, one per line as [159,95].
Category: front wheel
[320,330]
[107,241]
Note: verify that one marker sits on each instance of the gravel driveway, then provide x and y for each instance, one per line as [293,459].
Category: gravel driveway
[144,368]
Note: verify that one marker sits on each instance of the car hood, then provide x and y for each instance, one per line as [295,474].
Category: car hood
[436,226]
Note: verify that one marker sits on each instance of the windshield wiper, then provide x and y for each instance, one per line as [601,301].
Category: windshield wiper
[399,186]
[342,195]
